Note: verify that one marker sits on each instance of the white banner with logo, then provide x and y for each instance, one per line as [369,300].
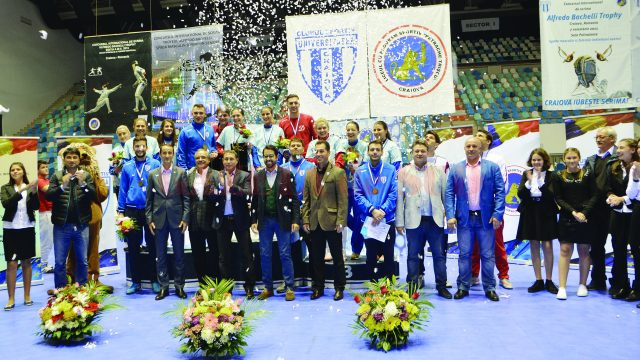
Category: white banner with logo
[327,64]
[102,146]
[586,56]
[512,143]
[410,70]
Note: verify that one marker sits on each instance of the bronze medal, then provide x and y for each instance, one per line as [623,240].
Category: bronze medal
[140,183]
[375,191]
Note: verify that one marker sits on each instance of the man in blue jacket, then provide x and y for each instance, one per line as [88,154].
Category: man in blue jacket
[375,192]
[131,203]
[194,136]
[474,204]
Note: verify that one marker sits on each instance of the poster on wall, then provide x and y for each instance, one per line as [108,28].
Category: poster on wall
[96,162]
[23,150]
[327,63]
[635,49]
[187,70]
[512,144]
[586,55]
[410,71]
[117,74]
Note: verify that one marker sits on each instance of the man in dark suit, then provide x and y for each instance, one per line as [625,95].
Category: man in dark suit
[167,212]
[275,209]
[474,204]
[203,190]
[324,214]
[232,217]
[597,163]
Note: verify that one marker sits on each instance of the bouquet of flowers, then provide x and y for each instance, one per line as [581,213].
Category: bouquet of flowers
[116,157]
[352,156]
[125,225]
[214,323]
[283,143]
[245,132]
[388,313]
[70,314]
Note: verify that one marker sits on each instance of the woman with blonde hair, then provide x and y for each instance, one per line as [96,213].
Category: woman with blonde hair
[576,196]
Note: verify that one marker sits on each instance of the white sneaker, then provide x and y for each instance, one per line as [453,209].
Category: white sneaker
[475,281]
[562,294]
[582,291]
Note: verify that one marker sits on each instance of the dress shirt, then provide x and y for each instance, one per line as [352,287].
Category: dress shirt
[271,175]
[474,179]
[21,219]
[199,181]
[166,178]
[228,208]
[425,197]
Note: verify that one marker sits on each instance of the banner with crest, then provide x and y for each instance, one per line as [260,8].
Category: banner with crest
[586,57]
[410,70]
[327,64]
[512,144]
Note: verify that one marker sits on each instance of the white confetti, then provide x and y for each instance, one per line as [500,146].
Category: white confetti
[296,318]
[90,345]
[13,257]
[43,34]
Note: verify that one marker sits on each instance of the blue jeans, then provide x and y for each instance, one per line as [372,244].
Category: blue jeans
[416,240]
[268,227]
[354,223]
[177,240]
[486,242]
[65,236]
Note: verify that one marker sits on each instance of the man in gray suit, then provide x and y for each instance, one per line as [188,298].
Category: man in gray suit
[420,211]
[167,212]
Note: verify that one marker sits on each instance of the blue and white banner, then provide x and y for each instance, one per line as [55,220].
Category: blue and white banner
[410,71]
[586,56]
[327,64]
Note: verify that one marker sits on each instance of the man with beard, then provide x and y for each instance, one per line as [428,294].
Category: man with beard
[141,128]
[275,210]
[131,203]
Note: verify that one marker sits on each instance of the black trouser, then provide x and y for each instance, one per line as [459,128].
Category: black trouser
[600,233]
[634,242]
[319,240]
[298,257]
[205,262]
[375,247]
[229,227]
[620,226]
[134,240]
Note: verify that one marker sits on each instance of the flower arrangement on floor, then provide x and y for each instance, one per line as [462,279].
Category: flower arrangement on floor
[125,225]
[71,313]
[388,313]
[214,323]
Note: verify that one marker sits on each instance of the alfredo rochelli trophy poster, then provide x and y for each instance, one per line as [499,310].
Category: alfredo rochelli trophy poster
[586,55]
[118,81]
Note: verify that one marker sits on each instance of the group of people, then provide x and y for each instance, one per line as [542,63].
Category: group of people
[220,181]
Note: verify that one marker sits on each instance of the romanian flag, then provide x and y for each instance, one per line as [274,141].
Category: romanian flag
[502,132]
[582,125]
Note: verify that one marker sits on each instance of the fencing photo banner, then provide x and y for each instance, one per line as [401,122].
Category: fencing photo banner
[117,73]
[102,146]
[512,143]
[187,70]
[586,55]
[25,151]
[410,71]
[327,64]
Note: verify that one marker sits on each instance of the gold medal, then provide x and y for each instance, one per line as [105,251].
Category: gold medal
[140,183]
[375,191]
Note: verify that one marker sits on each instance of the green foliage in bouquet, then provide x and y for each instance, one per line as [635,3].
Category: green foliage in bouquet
[388,313]
[71,313]
[213,323]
